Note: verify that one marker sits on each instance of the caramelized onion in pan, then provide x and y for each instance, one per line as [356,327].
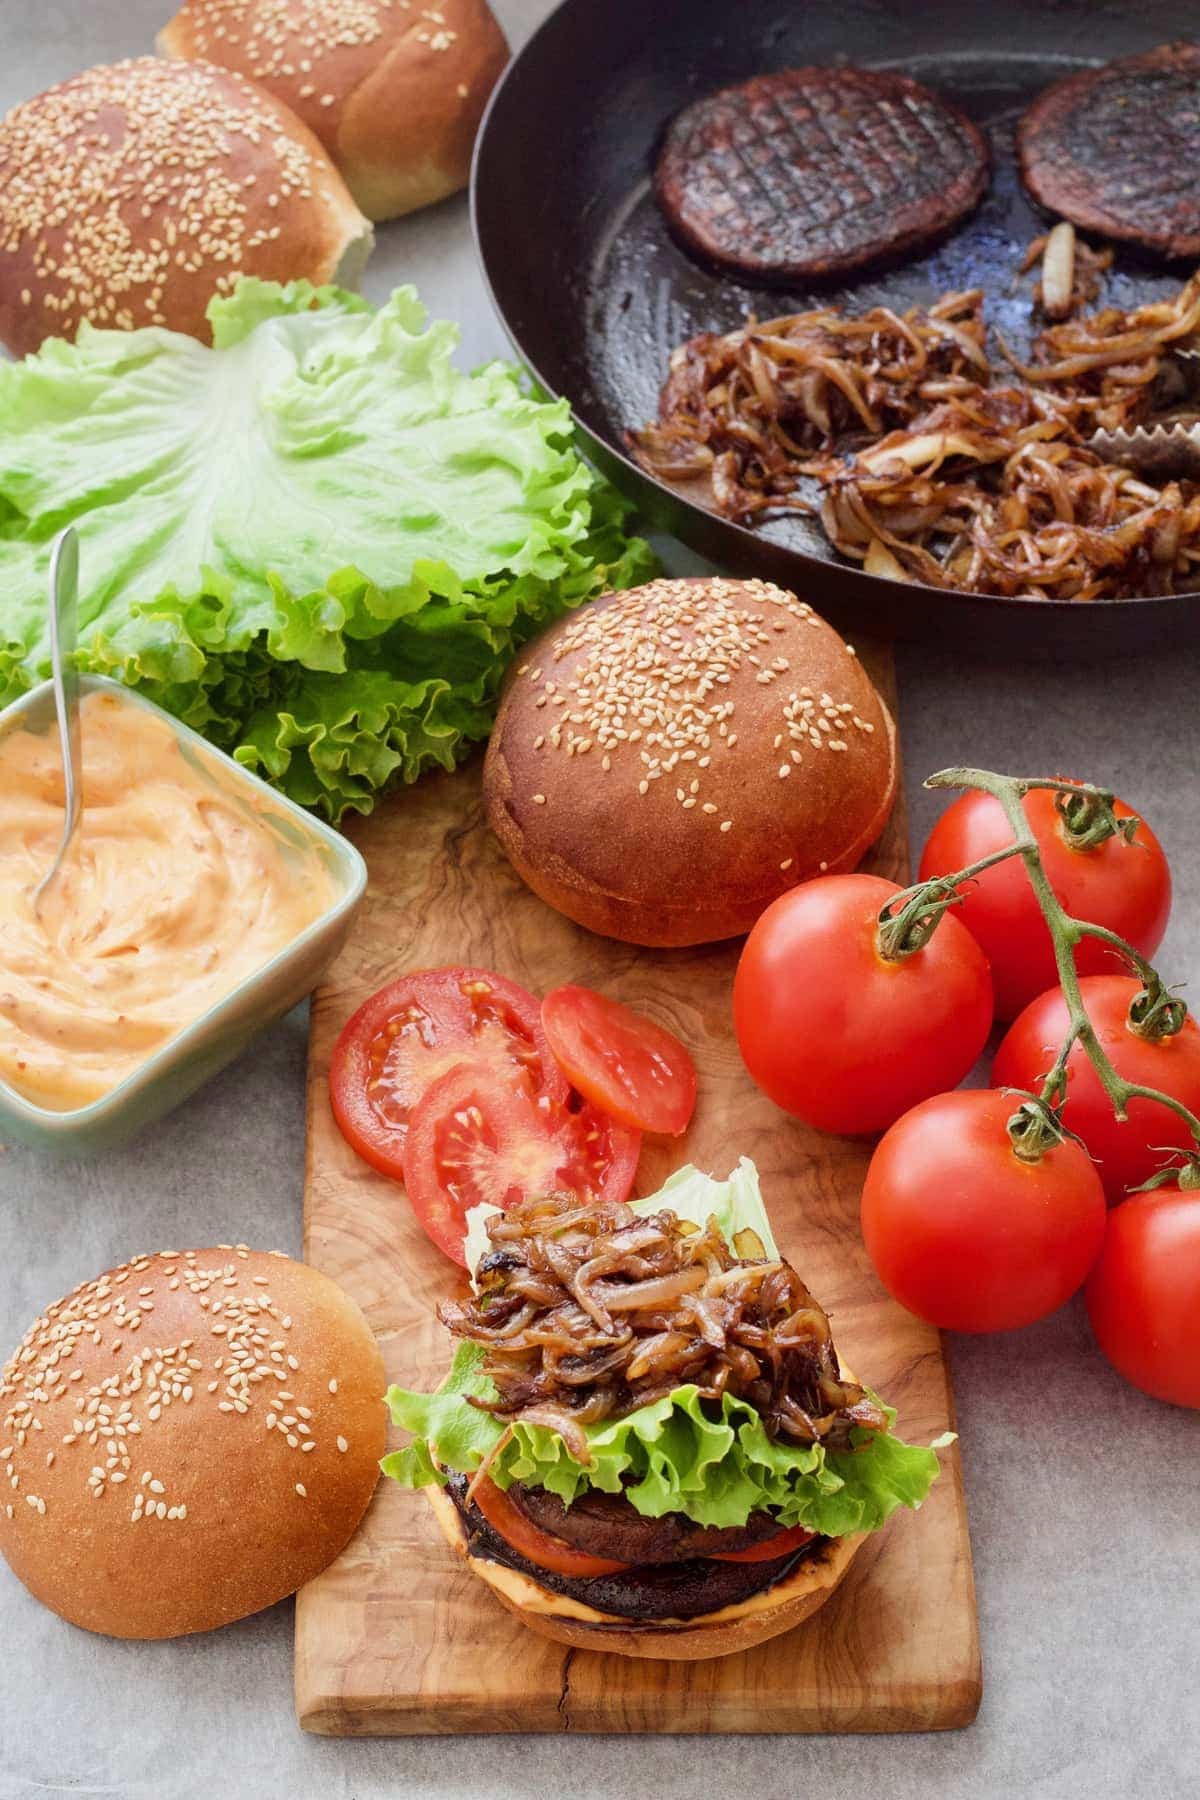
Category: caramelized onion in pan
[937,464]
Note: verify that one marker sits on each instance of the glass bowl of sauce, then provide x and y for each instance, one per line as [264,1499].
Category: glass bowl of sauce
[196,906]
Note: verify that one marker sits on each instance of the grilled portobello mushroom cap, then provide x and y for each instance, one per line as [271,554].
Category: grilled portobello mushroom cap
[1116,149]
[818,172]
[654,1590]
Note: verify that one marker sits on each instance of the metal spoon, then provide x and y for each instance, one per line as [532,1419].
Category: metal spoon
[64,597]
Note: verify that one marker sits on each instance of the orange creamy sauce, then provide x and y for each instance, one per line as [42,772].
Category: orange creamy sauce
[178,887]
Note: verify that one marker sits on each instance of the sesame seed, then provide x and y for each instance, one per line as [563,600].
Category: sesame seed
[302,1490]
[653,669]
[111,1412]
[342,1445]
[184,129]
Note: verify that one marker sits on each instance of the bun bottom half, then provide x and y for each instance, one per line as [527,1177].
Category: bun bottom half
[777,1609]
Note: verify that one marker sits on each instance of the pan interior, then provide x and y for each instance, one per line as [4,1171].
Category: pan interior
[609,293]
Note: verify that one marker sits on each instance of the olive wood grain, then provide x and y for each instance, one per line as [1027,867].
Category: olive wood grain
[397,1637]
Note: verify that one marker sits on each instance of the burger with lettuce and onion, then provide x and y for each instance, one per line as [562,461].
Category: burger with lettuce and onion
[645,1442]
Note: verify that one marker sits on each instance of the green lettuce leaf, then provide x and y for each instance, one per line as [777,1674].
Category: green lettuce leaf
[679,1453]
[319,542]
[736,1203]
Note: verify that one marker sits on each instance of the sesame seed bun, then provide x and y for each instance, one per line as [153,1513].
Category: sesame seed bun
[765,1615]
[668,761]
[187,1439]
[395,93]
[132,193]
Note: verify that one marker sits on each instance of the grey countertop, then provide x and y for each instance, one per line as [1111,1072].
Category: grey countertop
[1081,1493]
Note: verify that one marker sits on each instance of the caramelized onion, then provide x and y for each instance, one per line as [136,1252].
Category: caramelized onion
[588,1312]
[935,466]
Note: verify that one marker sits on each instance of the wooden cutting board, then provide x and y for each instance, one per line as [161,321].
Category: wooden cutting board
[397,1636]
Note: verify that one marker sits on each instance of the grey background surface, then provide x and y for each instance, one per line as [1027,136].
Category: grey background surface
[1082,1494]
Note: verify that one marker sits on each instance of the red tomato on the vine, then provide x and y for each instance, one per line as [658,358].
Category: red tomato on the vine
[1126,1154]
[1126,887]
[1143,1296]
[964,1232]
[836,1033]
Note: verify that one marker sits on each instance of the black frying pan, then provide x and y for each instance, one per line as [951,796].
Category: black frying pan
[594,293]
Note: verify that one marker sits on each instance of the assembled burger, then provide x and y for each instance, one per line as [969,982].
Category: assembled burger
[646,1443]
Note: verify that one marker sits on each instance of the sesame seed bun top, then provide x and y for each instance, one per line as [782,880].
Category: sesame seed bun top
[395,91]
[667,761]
[132,193]
[187,1439]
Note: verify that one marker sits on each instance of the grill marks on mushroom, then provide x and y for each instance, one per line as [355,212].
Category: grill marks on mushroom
[589,1312]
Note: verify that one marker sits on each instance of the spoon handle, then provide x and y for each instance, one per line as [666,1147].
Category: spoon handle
[64,625]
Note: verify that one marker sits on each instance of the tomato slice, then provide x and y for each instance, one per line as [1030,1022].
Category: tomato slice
[550,1552]
[411,1032]
[474,1139]
[780,1545]
[530,1541]
[626,1065]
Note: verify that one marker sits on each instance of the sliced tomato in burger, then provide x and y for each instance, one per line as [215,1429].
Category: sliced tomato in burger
[626,1064]
[782,1544]
[474,1139]
[534,1544]
[409,1034]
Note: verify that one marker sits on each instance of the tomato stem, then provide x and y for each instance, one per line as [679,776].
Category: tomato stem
[909,919]
[1156,1012]
[1081,928]
[1035,1127]
[1185,1175]
[1067,933]
[1089,819]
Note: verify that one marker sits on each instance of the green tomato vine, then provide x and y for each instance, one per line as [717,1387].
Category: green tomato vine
[1088,819]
